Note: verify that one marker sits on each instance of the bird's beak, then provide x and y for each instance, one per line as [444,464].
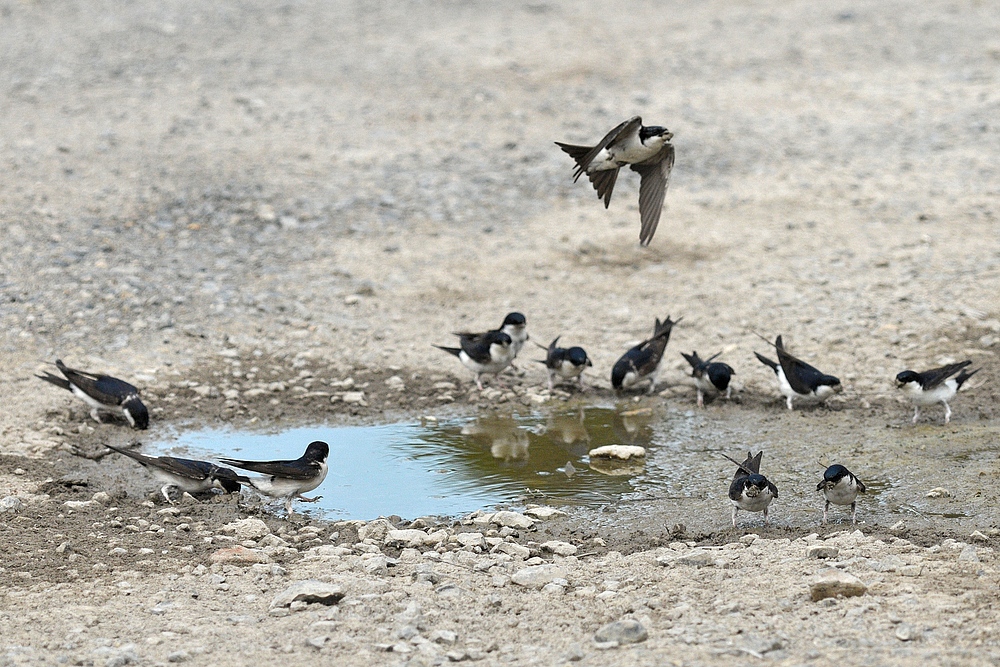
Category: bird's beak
[669,135]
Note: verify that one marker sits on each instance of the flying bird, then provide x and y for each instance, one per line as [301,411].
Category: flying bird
[643,360]
[841,487]
[485,353]
[934,386]
[710,377]
[102,393]
[187,475]
[797,379]
[644,149]
[289,479]
[567,363]
[750,491]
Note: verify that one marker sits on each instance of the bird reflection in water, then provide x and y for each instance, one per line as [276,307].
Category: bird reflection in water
[506,439]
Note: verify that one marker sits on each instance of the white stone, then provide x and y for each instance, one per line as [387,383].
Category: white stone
[543,512]
[307,591]
[623,452]
[559,548]
[247,529]
[537,576]
[354,397]
[512,520]
[471,540]
[408,537]
[836,583]
[11,504]
[513,549]
[375,530]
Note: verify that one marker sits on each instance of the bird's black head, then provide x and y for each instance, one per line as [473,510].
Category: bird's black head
[835,473]
[514,320]
[829,381]
[497,338]
[317,451]
[647,132]
[578,357]
[720,374]
[757,481]
[136,413]
[906,377]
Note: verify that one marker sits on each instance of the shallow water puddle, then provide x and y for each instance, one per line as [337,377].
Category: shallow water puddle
[446,468]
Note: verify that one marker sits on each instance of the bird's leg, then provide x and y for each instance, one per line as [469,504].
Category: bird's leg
[735,509]
[947,412]
[701,399]
[765,516]
[551,383]
[729,393]
[308,500]
[95,414]
[165,495]
[916,413]
[854,512]
[826,509]
[479,381]
[288,506]
[788,401]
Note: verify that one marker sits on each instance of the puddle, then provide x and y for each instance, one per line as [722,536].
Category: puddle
[453,467]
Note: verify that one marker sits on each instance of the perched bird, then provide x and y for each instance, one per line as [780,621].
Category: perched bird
[934,386]
[710,377]
[643,360]
[567,363]
[289,479]
[646,150]
[750,491]
[102,393]
[840,487]
[187,475]
[799,380]
[515,325]
[489,352]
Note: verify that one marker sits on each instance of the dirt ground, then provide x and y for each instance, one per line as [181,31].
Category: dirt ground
[238,205]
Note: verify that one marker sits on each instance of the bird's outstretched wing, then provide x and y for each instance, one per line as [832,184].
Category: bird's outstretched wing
[654,178]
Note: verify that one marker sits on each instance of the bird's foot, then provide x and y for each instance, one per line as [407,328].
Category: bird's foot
[308,500]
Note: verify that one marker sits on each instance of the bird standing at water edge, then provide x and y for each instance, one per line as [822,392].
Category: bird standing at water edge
[750,491]
[289,479]
[710,377]
[797,379]
[187,475]
[643,361]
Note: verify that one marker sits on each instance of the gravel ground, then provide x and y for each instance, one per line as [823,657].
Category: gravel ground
[207,199]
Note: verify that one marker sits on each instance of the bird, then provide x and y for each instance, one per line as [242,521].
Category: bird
[187,475]
[841,487]
[646,150]
[515,325]
[489,352]
[289,479]
[797,379]
[102,393]
[934,386]
[710,377]
[567,363]
[750,491]
[643,360]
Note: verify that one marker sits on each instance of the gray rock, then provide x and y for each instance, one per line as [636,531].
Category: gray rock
[513,520]
[822,551]
[247,529]
[443,637]
[559,548]
[307,591]
[409,537]
[907,633]
[513,549]
[968,554]
[625,631]
[836,583]
[11,504]
[537,576]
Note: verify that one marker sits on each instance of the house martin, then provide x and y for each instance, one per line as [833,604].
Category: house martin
[567,363]
[289,479]
[934,386]
[710,377]
[102,393]
[797,379]
[841,487]
[489,352]
[515,325]
[643,360]
[750,491]
[187,475]
[646,150]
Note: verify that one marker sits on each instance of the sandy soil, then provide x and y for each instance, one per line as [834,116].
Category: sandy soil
[212,198]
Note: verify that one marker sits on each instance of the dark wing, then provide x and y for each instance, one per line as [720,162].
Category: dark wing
[583,160]
[738,484]
[696,363]
[654,178]
[802,377]
[861,487]
[772,488]
[297,469]
[933,378]
[449,350]
[477,347]
[103,388]
[181,467]
[645,356]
